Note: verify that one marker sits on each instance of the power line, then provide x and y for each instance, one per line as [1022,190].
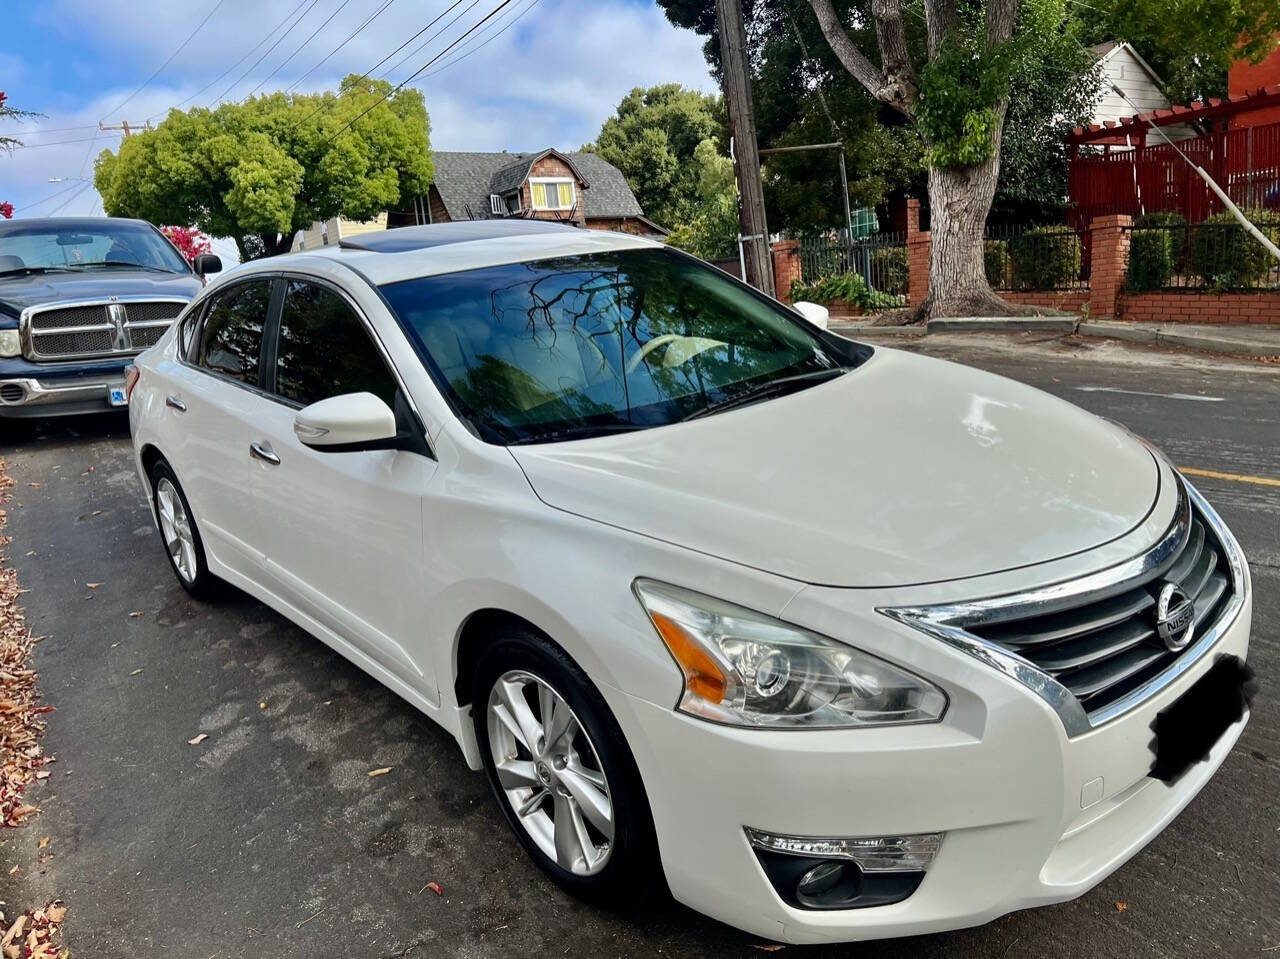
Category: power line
[58,143]
[46,199]
[351,36]
[161,68]
[414,52]
[225,73]
[368,73]
[75,196]
[38,130]
[267,52]
[462,55]
[297,50]
[401,85]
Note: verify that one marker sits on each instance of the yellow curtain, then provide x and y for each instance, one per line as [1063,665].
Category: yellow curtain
[566,195]
[539,195]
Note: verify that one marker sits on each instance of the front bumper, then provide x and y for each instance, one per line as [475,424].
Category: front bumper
[1027,822]
[49,394]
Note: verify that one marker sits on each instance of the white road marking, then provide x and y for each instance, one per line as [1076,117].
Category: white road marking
[1163,396]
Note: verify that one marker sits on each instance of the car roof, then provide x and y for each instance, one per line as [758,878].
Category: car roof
[404,253]
[27,224]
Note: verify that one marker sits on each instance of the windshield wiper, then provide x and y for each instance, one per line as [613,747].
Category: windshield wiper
[29,270]
[579,433]
[764,391]
[132,266]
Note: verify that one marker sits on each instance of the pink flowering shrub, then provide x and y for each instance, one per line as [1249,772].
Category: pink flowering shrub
[189,241]
[6,209]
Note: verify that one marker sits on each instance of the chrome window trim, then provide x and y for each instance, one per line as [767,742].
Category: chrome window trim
[26,336]
[943,621]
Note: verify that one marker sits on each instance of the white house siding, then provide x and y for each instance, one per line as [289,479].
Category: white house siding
[1123,69]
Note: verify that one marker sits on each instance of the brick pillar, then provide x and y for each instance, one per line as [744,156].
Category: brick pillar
[1109,259]
[786,267]
[917,256]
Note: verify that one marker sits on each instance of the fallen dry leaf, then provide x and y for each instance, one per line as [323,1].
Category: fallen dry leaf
[34,485]
[436,887]
[93,585]
[198,740]
[262,705]
[44,841]
[1121,905]
[135,614]
[136,671]
[379,772]
[768,946]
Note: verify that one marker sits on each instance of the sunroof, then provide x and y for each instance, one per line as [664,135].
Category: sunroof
[407,238]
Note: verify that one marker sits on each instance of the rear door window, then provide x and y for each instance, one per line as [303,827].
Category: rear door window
[231,337]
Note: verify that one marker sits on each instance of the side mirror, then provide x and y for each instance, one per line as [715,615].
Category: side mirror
[207,263]
[815,314]
[347,423]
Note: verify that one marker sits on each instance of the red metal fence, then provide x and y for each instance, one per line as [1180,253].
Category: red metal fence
[1244,162]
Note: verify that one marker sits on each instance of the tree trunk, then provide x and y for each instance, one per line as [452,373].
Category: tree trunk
[959,201]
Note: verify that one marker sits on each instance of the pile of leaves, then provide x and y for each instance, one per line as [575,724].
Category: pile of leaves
[21,759]
[36,934]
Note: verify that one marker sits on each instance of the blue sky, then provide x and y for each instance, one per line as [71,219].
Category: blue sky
[550,73]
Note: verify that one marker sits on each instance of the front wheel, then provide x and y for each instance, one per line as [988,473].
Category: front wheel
[562,772]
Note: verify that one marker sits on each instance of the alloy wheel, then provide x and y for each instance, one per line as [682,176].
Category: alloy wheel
[550,772]
[175,527]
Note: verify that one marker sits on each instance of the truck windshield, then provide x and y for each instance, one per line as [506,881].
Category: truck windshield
[581,346]
[104,246]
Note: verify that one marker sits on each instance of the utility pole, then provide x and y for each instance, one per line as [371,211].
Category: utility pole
[128,130]
[753,231]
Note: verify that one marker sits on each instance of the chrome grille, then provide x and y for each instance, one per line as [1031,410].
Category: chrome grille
[1103,649]
[86,330]
[1088,647]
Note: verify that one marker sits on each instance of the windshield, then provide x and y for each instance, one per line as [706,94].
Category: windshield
[101,246]
[585,345]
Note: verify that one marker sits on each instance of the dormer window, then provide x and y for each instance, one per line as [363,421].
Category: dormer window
[496,206]
[552,193]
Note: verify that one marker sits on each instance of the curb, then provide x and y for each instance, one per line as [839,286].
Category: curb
[1169,335]
[852,328]
[1002,324]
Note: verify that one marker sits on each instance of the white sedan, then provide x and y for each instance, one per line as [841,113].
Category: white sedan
[839,642]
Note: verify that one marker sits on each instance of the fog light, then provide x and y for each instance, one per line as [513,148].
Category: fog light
[835,873]
[821,878]
[10,345]
[877,854]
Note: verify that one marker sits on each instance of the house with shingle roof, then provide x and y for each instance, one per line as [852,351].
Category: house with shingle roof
[582,189]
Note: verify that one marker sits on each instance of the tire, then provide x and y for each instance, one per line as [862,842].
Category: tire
[185,553]
[627,872]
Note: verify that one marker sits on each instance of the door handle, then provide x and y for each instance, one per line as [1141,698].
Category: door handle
[264,452]
[174,402]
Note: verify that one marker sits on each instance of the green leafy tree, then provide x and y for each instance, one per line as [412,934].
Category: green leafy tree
[652,139]
[712,231]
[261,170]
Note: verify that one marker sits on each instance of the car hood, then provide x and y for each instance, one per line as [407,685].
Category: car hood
[906,470]
[19,292]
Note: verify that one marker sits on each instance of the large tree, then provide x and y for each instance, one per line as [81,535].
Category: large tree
[653,138]
[261,170]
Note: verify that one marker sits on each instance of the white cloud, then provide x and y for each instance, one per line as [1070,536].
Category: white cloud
[549,80]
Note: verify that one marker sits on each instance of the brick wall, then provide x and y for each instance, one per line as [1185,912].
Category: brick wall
[917,256]
[1108,261]
[786,267]
[1200,307]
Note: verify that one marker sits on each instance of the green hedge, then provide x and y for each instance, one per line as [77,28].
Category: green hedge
[995,263]
[844,287]
[1226,257]
[1150,259]
[1045,258]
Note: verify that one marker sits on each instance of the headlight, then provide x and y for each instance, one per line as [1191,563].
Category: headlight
[9,343]
[747,669]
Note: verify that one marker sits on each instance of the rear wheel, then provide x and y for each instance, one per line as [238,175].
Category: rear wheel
[562,772]
[179,533]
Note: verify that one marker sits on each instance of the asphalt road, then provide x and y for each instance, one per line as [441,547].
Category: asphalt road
[270,839]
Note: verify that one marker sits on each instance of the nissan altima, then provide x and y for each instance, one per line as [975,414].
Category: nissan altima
[838,642]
